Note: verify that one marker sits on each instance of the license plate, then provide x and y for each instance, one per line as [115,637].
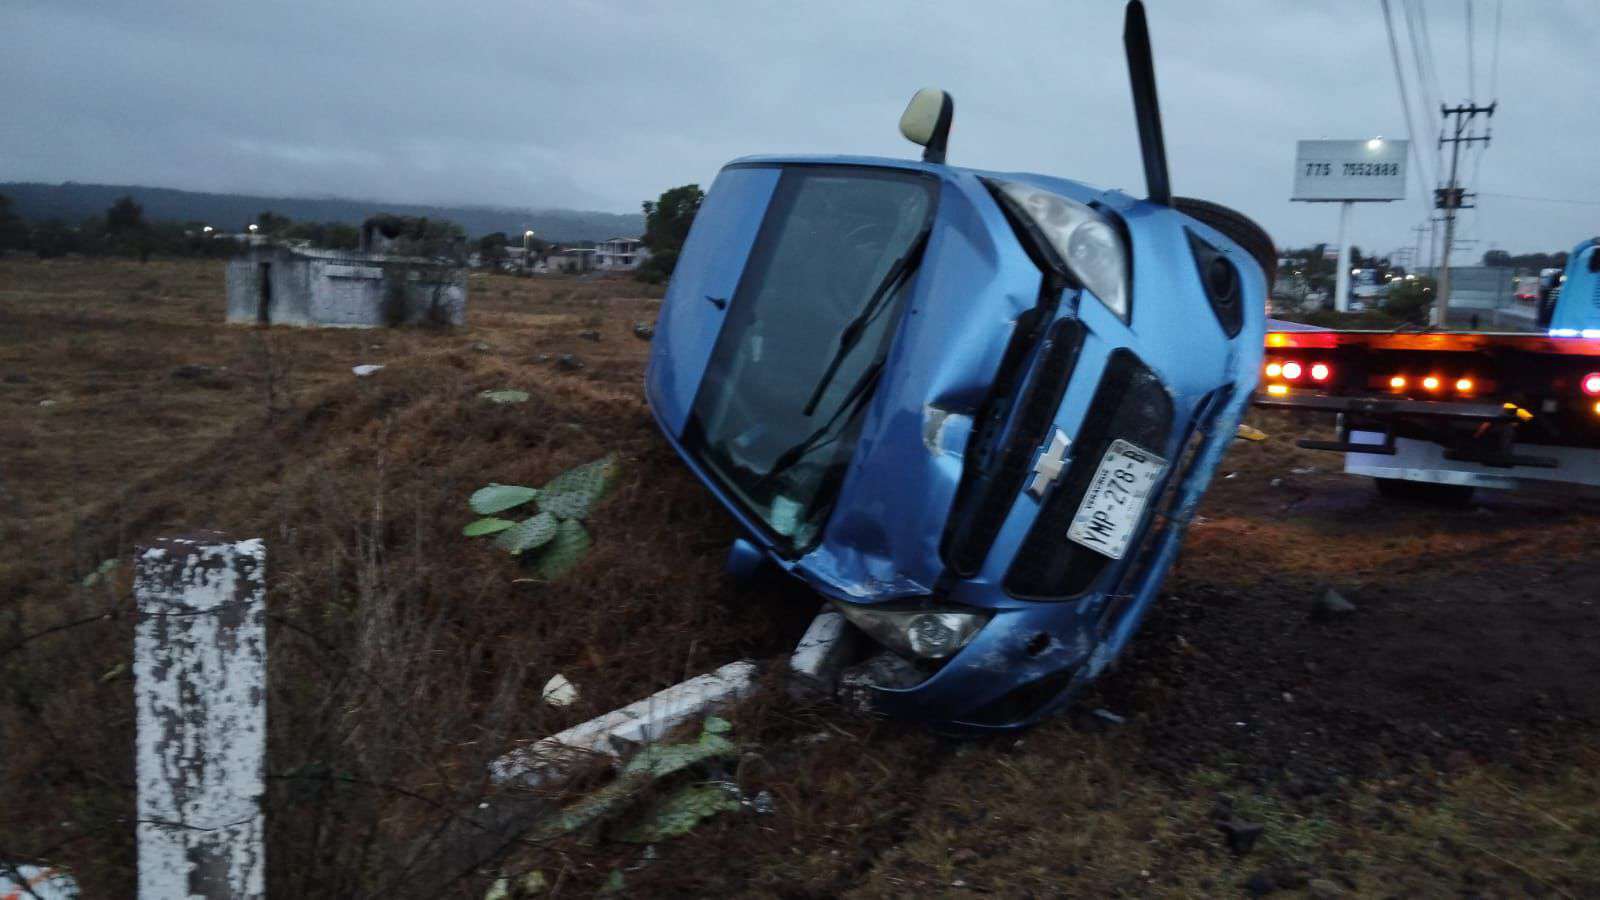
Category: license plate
[1114,502]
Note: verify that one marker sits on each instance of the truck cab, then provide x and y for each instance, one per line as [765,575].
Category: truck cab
[1575,300]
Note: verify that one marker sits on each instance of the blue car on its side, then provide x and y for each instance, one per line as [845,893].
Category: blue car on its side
[975,410]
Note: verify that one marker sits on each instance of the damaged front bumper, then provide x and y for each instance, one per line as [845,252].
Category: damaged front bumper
[1031,658]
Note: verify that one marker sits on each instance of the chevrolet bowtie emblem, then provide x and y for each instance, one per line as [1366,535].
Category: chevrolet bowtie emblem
[1049,464]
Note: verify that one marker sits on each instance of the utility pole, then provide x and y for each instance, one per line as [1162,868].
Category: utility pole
[1450,198]
[1416,256]
[1404,258]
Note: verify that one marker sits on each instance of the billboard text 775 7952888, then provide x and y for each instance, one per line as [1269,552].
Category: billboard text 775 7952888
[1350,170]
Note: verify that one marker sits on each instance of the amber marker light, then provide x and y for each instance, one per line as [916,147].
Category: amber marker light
[1278,390]
[1398,382]
[1464,385]
[1274,369]
[1431,383]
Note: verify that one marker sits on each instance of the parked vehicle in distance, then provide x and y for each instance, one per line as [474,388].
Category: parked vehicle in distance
[1438,414]
[1525,288]
[974,410]
[1365,286]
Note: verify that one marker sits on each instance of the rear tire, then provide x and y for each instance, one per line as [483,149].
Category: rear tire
[1237,227]
[1425,491]
[1547,307]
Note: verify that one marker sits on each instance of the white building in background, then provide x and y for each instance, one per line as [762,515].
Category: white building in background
[620,255]
[273,284]
[568,261]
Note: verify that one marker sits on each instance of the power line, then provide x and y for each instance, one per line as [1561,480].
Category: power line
[1427,45]
[1494,67]
[1413,34]
[1427,88]
[1405,101]
[1472,75]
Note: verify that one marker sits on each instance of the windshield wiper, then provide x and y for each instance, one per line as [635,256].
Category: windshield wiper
[815,440]
[851,335]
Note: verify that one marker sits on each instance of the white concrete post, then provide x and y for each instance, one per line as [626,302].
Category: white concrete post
[1341,275]
[199,668]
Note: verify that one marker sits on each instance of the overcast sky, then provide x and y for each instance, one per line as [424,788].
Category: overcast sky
[598,105]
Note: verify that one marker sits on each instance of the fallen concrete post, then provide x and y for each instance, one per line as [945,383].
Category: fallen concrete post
[199,670]
[635,724]
[820,656]
[36,883]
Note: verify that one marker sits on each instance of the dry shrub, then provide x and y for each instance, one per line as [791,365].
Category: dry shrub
[403,657]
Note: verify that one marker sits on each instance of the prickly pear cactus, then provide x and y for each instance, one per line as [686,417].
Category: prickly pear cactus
[553,540]
[499,497]
[571,494]
[529,534]
[565,550]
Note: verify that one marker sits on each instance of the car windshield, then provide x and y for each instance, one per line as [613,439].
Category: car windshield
[831,239]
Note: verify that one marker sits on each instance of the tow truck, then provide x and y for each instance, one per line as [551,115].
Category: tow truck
[1435,415]
[974,410]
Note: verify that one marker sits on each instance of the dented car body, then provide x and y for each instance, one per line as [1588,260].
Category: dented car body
[975,410]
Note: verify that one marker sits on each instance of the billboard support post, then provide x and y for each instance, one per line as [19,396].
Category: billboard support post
[1341,275]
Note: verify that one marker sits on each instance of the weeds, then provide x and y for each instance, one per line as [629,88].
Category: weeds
[402,661]
[1299,838]
[403,658]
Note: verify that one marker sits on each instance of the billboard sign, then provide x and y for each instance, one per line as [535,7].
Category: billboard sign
[1350,170]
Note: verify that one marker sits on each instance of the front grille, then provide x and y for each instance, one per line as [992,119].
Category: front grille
[995,474]
[1130,404]
[1165,507]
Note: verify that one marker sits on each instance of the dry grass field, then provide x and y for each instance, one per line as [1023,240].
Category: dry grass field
[1439,741]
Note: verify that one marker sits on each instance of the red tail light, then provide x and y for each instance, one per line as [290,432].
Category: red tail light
[1320,372]
[1591,384]
[1291,370]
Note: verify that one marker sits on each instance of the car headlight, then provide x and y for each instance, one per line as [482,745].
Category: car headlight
[1083,241]
[923,633]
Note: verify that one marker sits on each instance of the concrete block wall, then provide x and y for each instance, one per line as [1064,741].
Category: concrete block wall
[339,291]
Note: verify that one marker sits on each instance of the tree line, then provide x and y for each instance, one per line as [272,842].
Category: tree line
[124,230]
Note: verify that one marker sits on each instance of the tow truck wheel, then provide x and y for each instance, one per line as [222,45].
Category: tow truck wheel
[1425,491]
[1238,227]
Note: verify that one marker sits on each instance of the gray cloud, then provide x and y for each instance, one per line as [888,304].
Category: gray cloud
[600,105]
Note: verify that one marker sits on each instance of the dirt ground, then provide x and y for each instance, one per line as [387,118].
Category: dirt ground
[1439,740]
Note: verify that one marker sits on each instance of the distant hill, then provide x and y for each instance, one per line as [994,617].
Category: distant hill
[73,202]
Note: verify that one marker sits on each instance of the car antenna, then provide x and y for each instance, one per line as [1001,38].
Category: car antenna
[1146,109]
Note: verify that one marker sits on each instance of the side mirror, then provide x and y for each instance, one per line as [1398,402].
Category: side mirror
[926,121]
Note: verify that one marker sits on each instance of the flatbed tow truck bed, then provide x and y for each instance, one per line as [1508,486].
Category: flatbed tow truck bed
[1454,410]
